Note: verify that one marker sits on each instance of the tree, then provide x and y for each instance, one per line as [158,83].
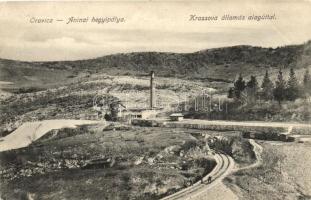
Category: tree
[115,109]
[252,88]
[307,82]
[231,93]
[267,87]
[280,87]
[239,86]
[293,88]
[252,83]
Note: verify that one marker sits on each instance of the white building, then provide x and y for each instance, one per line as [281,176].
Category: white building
[176,117]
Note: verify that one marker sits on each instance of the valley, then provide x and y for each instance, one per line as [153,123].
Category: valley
[67,127]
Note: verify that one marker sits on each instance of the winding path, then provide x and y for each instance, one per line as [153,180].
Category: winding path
[258,151]
[31,131]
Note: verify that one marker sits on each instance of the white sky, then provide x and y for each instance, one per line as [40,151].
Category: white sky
[149,26]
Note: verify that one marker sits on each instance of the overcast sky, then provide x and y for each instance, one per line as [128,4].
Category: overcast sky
[149,26]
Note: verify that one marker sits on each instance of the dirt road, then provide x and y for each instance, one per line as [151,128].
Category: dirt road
[258,151]
[246,123]
[284,128]
[31,131]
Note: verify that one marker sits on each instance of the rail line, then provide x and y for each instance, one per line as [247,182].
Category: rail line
[224,165]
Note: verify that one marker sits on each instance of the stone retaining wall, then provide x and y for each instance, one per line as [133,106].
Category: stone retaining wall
[155,123]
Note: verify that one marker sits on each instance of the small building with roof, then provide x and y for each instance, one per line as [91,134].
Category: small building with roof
[176,117]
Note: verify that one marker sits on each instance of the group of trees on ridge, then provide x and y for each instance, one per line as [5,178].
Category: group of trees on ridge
[281,90]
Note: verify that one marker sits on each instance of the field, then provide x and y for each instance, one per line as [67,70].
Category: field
[114,162]
[135,164]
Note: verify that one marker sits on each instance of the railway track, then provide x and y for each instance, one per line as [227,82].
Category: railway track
[198,191]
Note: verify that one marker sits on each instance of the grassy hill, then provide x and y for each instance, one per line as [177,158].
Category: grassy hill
[66,89]
[220,64]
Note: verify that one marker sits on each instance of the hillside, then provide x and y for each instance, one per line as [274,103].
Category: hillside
[221,64]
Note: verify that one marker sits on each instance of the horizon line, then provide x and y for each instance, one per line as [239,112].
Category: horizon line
[164,52]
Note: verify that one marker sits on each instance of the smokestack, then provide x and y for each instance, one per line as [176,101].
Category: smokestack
[152,90]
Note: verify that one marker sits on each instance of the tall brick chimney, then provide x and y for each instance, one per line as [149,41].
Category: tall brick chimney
[152,91]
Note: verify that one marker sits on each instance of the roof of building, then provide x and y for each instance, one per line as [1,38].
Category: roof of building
[143,109]
[176,115]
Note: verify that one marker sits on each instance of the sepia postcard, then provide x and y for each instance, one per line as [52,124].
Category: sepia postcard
[148,100]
